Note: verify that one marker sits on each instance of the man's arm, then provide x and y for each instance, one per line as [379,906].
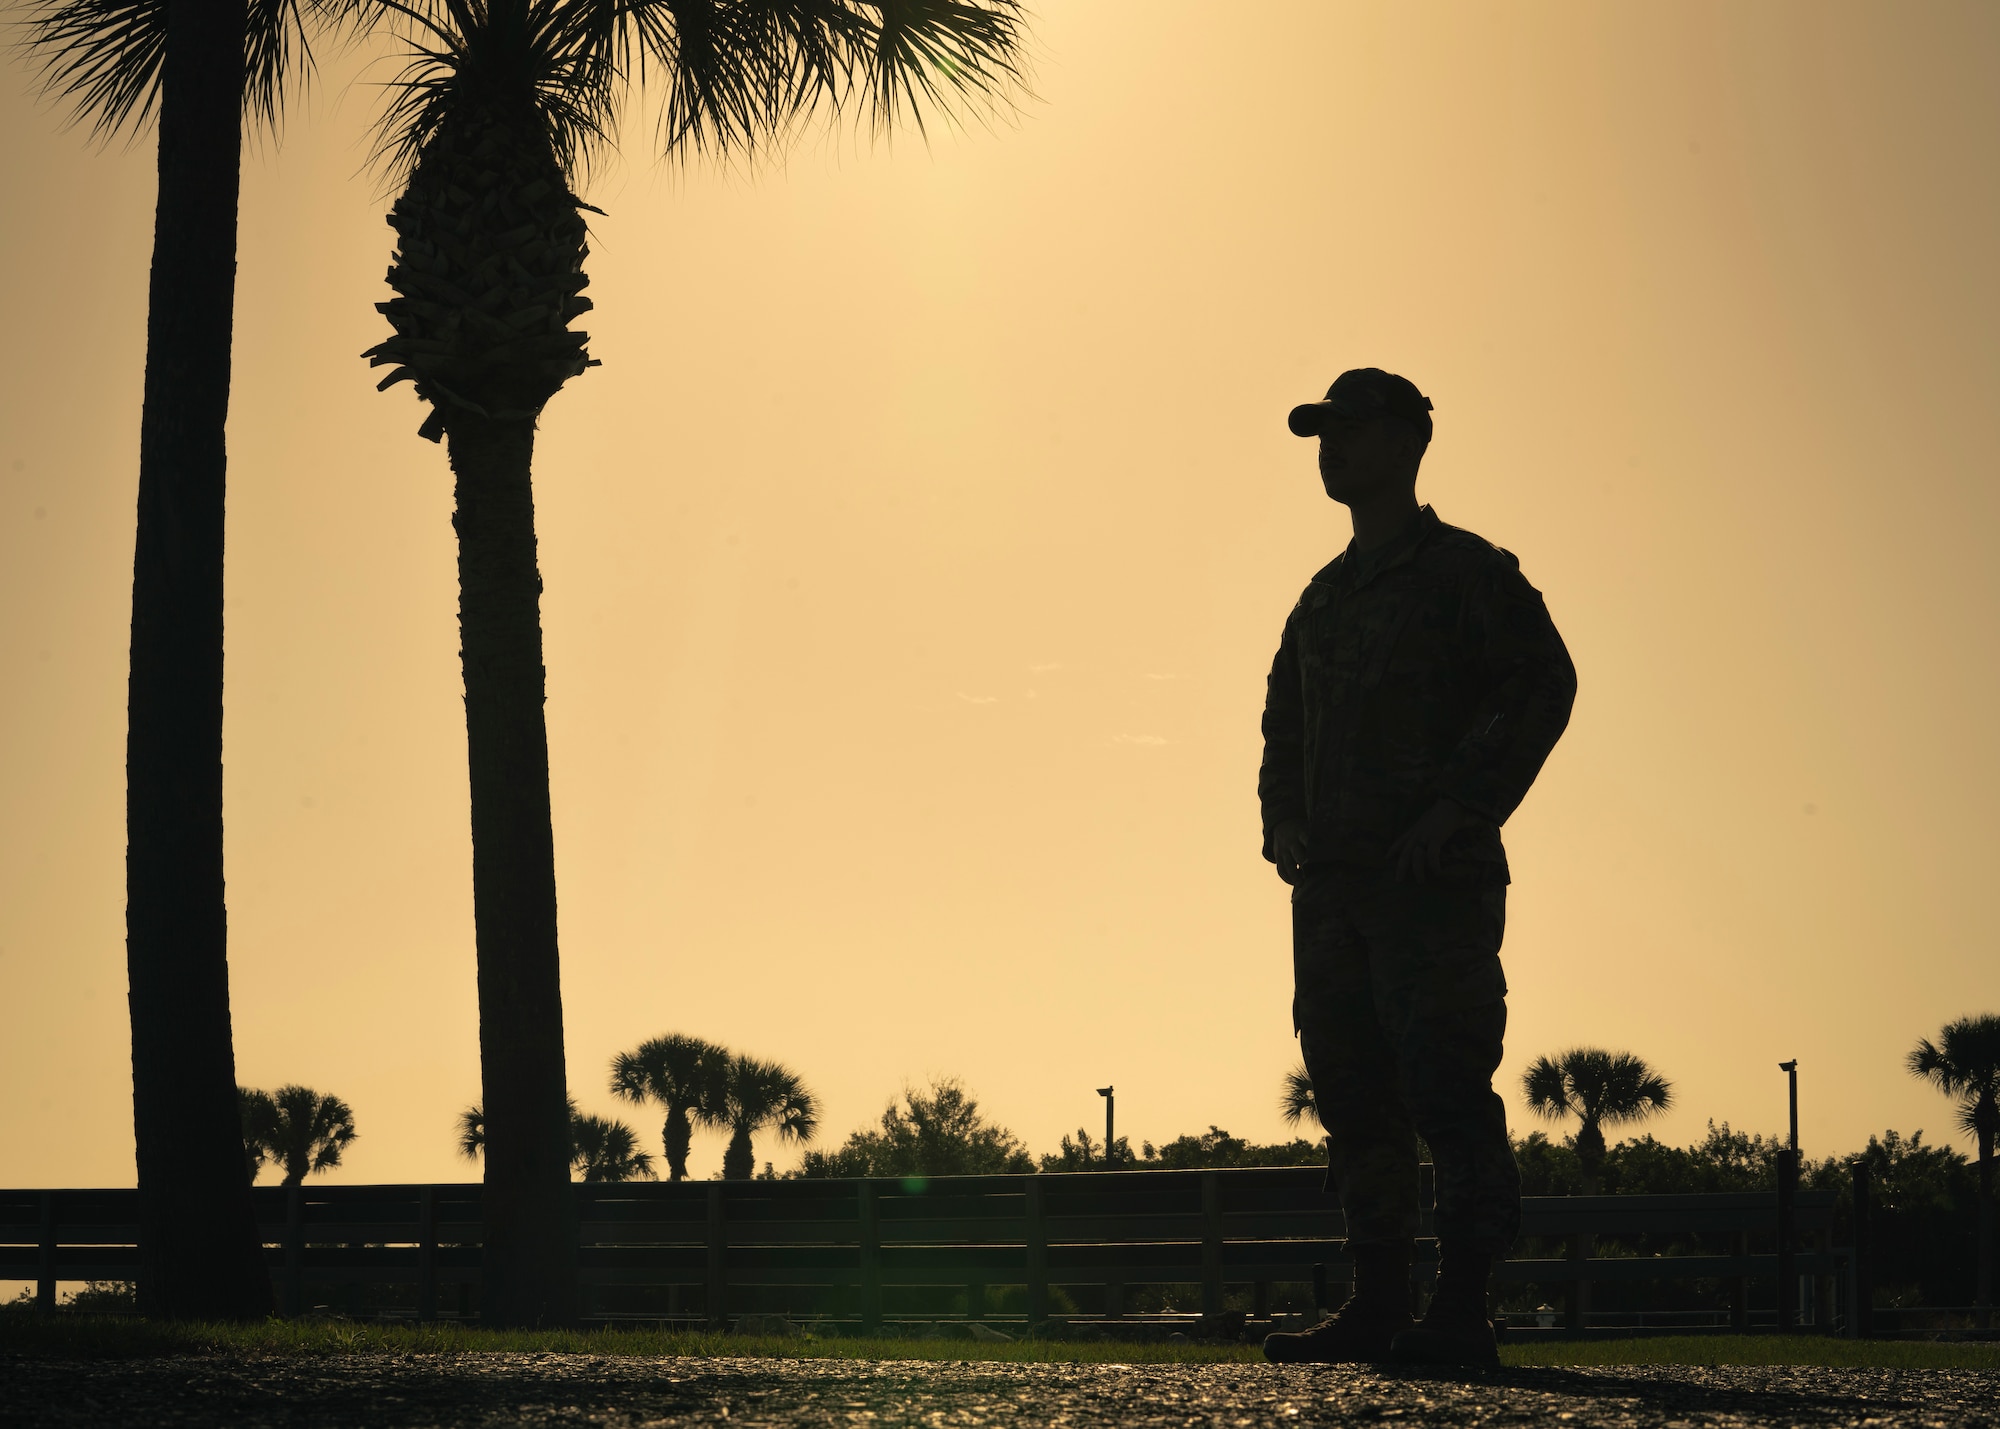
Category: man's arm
[1528,686]
[1281,780]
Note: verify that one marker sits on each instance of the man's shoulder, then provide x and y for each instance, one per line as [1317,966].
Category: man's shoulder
[1467,551]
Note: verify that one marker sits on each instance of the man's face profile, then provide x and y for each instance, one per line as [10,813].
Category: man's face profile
[1360,457]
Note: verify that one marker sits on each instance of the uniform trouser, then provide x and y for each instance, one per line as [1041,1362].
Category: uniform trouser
[1400,1006]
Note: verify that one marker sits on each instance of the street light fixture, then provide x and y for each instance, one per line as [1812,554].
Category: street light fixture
[1109,1103]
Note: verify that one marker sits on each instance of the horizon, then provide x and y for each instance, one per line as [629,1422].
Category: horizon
[913,564]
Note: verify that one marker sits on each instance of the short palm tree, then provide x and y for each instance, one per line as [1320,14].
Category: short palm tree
[1965,1063]
[1599,1089]
[600,1148]
[495,118]
[1297,1103]
[297,1128]
[685,1075]
[472,1131]
[604,1149]
[198,68]
[757,1095]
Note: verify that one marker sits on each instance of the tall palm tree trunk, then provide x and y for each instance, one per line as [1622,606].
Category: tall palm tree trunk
[198,1240]
[1984,1291]
[530,1256]
[739,1162]
[1590,1154]
[678,1136]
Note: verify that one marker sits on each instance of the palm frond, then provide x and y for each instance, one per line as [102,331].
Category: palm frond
[471,1132]
[1632,1091]
[940,54]
[629,1078]
[103,56]
[740,74]
[1979,1116]
[549,62]
[723,79]
[1547,1090]
[259,1115]
[106,56]
[1297,1102]
[1928,1061]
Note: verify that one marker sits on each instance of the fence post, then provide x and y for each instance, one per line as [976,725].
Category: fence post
[295,1271]
[583,1196]
[1788,1278]
[1861,1292]
[45,1258]
[870,1237]
[1739,1303]
[1576,1304]
[427,1281]
[718,1262]
[1038,1254]
[1211,1243]
[1824,1301]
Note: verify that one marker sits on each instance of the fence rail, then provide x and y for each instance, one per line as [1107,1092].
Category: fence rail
[1028,1248]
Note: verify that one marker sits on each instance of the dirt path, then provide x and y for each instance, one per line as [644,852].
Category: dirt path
[500,1391]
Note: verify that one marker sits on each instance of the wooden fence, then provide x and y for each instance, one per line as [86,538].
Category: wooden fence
[1032,1249]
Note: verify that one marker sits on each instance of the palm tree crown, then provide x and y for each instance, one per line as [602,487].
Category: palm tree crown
[503,104]
[1599,1089]
[685,1075]
[607,1150]
[298,1128]
[756,1095]
[107,57]
[600,1148]
[1965,1063]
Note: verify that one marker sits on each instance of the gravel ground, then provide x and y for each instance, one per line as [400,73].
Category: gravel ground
[500,1391]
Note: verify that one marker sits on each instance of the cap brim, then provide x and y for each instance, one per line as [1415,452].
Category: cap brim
[1311,419]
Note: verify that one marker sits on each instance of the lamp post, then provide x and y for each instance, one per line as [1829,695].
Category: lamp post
[1110,1102]
[1788,1187]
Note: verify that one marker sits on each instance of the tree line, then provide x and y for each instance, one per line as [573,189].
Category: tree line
[939,1130]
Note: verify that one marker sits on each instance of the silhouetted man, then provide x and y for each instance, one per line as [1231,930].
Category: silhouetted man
[1417,690]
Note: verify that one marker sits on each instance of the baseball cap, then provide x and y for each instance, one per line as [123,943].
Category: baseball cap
[1360,394]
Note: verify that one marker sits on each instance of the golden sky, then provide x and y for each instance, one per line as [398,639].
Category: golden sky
[914,561]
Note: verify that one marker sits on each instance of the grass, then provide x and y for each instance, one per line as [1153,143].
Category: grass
[1816,1350]
[81,1336]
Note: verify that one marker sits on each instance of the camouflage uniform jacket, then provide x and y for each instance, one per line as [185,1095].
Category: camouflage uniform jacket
[1428,667]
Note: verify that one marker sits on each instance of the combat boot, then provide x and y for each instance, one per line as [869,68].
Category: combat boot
[1454,1330]
[1362,1330]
